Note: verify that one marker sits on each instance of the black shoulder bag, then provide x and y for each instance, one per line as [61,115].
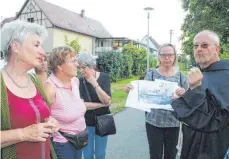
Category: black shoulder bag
[104,124]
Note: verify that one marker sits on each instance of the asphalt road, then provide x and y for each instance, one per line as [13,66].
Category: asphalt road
[130,141]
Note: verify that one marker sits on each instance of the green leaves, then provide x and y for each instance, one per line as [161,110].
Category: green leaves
[74,44]
[112,63]
[201,15]
[120,65]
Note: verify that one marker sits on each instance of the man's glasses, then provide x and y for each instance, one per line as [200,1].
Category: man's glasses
[203,45]
[166,55]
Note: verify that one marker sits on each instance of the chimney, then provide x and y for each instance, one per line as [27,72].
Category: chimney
[82,13]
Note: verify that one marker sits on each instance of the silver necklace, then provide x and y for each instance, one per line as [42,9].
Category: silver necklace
[26,86]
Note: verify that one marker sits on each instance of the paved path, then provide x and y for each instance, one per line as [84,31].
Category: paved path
[130,142]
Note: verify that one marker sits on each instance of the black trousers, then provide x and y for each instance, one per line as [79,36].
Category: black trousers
[162,137]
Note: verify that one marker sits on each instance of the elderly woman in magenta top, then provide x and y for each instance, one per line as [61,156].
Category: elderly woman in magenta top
[62,88]
[25,124]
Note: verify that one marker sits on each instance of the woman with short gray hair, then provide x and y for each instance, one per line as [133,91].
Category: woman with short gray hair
[86,59]
[96,92]
[26,123]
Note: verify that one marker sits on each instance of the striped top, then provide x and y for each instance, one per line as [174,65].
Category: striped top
[68,108]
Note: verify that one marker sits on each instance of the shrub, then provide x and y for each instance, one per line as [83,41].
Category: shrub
[110,62]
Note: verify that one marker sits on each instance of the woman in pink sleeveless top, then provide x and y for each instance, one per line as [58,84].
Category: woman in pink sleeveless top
[62,88]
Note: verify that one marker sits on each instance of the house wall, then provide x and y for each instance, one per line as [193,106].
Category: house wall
[151,45]
[48,42]
[85,41]
[32,13]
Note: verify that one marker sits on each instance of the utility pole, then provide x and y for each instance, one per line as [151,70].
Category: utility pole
[170,32]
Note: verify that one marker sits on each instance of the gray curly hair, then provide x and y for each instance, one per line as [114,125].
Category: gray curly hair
[86,59]
[19,30]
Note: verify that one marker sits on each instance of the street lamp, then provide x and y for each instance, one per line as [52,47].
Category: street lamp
[187,62]
[148,9]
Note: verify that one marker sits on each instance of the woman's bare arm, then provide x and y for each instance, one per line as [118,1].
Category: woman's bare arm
[92,106]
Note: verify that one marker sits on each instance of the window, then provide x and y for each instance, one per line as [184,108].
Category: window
[2,57]
[101,43]
[31,20]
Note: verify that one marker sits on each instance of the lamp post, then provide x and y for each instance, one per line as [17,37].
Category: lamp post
[148,9]
[187,62]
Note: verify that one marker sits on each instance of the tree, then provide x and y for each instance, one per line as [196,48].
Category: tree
[225,54]
[74,44]
[205,14]
[138,56]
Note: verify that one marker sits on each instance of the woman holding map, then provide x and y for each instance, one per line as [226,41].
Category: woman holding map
[162,127]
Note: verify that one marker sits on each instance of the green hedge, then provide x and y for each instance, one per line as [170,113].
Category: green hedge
[126,64]
[116,64]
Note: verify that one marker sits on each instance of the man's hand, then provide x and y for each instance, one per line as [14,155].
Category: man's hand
[194,77]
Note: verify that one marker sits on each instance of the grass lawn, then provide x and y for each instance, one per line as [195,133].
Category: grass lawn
[118,94]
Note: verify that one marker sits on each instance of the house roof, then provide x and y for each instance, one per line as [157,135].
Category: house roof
[7,20]
[69,20]
[153,41]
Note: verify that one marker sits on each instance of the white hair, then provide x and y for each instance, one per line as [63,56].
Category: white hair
[86,59]
[19,30]
[211,34]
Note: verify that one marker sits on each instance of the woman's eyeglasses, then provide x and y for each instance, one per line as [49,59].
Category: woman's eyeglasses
[82,67]
[166,55]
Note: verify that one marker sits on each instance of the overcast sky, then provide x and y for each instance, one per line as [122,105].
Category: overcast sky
[122,18]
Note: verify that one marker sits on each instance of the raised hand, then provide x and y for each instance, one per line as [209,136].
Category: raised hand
[92,80]
[194,77]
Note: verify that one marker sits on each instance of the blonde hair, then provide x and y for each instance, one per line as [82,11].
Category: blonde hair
[163,46]
[57,57]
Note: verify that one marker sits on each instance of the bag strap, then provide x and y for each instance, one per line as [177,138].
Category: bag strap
[181,81]
[152,77]
[88,94]
[84,83]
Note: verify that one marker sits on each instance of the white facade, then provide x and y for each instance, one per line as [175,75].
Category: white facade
[152,46]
